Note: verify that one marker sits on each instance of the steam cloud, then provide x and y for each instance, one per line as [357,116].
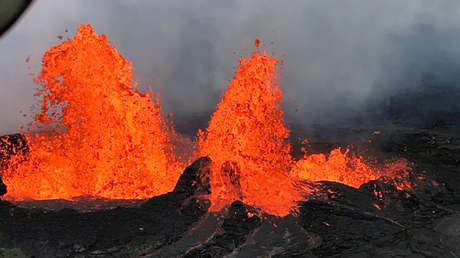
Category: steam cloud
[337,54]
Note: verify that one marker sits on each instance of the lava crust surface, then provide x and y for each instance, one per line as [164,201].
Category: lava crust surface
[336,221]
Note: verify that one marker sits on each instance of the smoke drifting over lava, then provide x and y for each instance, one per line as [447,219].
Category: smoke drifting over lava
[337,54]
[99,136]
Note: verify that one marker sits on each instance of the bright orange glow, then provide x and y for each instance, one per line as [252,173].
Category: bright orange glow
[247,136]
[103,137]
[336,167]
[247,130]
[100,136]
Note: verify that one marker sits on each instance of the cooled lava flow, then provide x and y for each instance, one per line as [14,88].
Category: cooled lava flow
[101,137]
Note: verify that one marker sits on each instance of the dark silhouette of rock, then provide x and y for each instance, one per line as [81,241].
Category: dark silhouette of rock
[195,179]
[119,232]
[2,187]
[350,222]
[240,221]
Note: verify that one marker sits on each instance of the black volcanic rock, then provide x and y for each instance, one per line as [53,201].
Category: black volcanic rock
[350,222]
[120,232]
[449,227]
[385,194]
[195,179]
[240,221]
[2,187]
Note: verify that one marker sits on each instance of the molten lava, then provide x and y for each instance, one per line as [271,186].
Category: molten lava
[336,167]
[101,136]
[246,139]
[247,131]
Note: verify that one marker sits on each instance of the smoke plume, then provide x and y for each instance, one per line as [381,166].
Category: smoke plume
[339,55]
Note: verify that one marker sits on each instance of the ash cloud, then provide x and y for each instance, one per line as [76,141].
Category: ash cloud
[339,56]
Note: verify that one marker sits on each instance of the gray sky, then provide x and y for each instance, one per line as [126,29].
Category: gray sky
[337,53]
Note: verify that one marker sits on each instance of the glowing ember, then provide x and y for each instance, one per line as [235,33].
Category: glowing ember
[103,138]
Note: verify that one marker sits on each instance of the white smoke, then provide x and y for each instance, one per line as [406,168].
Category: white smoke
[336,52]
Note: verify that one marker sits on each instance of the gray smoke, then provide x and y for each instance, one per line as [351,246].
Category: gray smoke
[338,54]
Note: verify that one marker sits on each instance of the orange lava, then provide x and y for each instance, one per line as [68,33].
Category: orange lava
[103,137]
[100,136]
[247,136]
[337,167]
[247,130]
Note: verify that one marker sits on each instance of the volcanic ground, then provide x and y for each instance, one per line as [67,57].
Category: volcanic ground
[338,221]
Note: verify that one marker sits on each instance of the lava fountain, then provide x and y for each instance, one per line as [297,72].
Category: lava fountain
[247,141]
[97,135]
[247,137]
[100,135]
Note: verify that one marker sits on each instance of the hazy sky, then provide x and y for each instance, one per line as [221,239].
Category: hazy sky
[337,53]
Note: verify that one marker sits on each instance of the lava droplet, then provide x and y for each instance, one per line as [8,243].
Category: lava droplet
[257,42]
